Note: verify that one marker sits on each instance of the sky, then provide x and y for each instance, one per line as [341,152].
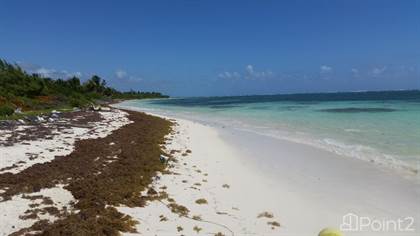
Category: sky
[219,48]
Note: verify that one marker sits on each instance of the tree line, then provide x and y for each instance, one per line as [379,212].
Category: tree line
[18,89]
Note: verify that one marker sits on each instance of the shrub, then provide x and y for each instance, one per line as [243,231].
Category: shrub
[74,102]
[6,110]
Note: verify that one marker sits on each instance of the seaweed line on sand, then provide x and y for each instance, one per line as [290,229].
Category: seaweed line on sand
[200,220]
[99,176]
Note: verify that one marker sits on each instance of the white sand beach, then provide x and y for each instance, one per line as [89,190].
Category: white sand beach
[25,153]
[244,176]
[235,183]
[22,153]
[13,211]
[210,118]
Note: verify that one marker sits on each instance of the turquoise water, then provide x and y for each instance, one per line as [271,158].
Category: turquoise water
[382,128]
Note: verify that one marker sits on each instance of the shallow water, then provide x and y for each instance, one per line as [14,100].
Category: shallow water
[379,127]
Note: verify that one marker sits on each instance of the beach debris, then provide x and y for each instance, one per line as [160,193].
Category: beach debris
[269,215]
[151,191]
[201,201]
[219,234]
[273,224]
[94,107]
[225,186]
[178,209]
[163,159]
[18,110]
[163,218]
[197,229]
[40,119]
[330,232]
[131,169]
[6,123]
[33,119]
[265,215]
[55,115]
[197,217]
[179,228]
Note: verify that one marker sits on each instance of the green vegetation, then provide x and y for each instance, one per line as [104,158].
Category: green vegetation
[6,110]
[20,90]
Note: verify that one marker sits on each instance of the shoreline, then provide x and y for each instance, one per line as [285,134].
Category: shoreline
[217,181]
[310,183]
[328,185]
[210,186]
[368,151]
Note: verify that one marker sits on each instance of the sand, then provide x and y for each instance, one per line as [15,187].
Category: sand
[243,175]
[25,153]
[18,156]
[12,210]
[216,176]
[238,183]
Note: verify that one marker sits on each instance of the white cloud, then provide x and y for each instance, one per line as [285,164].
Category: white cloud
[135,78]
[355,72]
[229,75]
[67,74]
[249,69]
[51,73]
[249,73]
[44,72]
[377,71]
[326,69]
[121,74]
[48,73]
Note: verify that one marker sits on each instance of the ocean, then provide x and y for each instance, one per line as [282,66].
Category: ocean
[379,127]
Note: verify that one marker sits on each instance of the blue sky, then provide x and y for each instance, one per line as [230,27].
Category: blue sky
[200,48]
